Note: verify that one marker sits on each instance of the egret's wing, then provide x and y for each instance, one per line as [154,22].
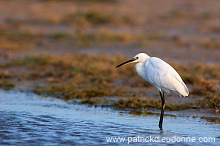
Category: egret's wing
[161,65]
[161,75]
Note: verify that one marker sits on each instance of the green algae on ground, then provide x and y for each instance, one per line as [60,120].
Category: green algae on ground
[95,76]
[210,101]
[146,104]
[6,84]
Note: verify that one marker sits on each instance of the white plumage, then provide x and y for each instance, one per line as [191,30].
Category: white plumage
[159,74]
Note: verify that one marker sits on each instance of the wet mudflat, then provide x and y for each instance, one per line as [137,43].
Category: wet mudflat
[29,119]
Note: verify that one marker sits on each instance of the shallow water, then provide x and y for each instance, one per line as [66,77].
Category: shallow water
[29,119]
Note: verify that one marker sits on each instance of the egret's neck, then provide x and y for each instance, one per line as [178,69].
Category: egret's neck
[140,66]
[140,69]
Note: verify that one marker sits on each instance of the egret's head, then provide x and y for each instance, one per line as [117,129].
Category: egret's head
[139,58]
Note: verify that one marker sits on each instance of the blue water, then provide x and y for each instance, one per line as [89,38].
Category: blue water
[29,119]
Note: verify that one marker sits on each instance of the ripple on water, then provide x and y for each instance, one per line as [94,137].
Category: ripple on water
[34,120]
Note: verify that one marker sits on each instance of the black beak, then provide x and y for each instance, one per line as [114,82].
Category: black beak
[131,60]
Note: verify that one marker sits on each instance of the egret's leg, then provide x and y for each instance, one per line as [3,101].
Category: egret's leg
[162,109]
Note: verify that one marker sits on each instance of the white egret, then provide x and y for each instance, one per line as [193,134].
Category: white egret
[159,74]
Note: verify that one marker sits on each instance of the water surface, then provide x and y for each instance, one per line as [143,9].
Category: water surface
[29,119]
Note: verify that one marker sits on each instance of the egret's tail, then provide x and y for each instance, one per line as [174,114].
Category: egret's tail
[184,91]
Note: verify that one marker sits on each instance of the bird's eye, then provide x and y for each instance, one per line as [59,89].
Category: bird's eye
[136,57]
